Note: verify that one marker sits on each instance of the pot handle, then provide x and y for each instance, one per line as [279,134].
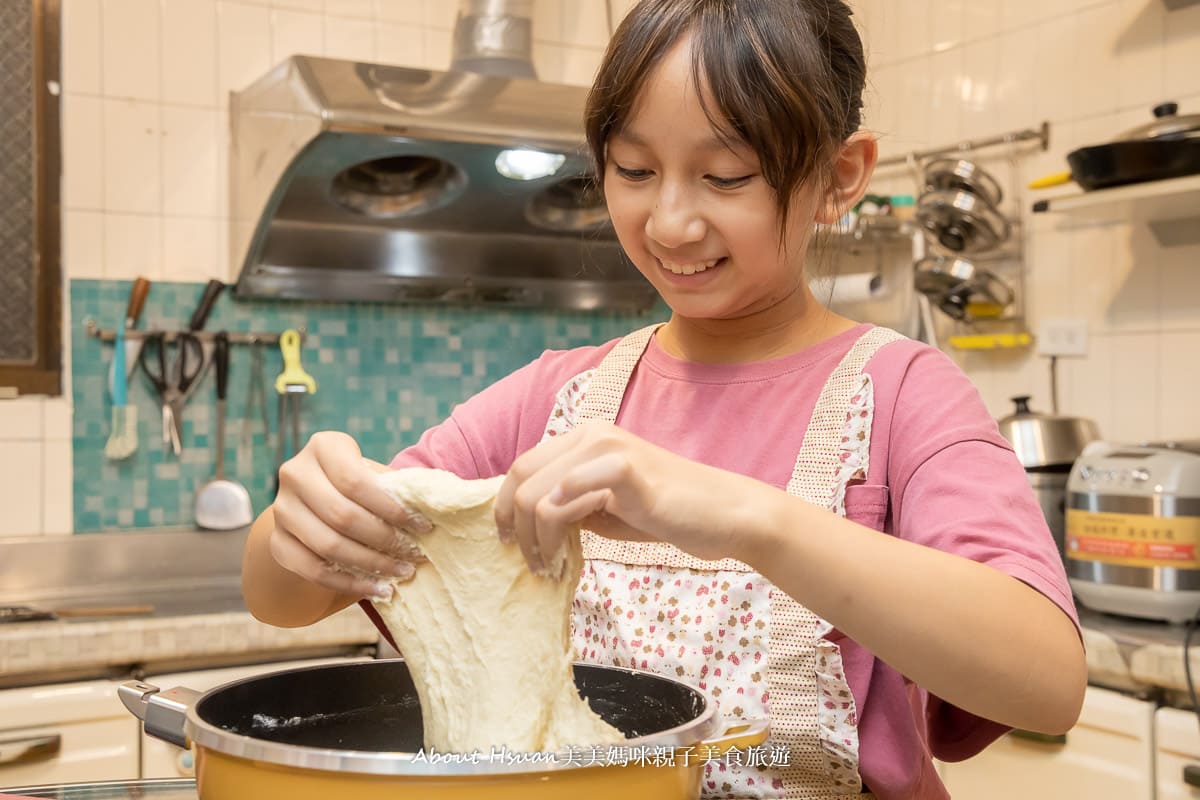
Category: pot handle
[163,713]
[750,734]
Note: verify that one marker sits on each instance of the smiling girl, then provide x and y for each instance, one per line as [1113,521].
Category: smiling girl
[813,519]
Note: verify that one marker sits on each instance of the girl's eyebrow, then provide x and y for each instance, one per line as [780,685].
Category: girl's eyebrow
[628,136]
[632,137]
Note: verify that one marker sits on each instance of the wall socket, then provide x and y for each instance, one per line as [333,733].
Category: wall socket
[1062,337]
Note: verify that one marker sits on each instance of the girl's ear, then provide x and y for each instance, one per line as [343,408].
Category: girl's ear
[852,172]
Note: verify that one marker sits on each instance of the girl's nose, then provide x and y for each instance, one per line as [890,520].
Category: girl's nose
[673,222]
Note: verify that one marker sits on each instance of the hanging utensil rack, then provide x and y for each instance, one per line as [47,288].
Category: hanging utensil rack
[168,336]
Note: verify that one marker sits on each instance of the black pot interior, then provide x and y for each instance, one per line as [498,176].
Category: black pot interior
[373,706]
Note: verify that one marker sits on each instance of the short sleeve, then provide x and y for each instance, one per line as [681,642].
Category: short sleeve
[485,434]
[957,486]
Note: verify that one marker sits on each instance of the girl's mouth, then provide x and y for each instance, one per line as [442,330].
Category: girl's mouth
[677,268]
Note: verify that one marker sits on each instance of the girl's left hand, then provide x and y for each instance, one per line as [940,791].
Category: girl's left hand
[620,486]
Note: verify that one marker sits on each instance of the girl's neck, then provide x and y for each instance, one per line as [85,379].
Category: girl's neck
[756,337]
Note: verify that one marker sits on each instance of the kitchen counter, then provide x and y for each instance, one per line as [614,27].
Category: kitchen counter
[37,652]
[1141,656]
[190,582]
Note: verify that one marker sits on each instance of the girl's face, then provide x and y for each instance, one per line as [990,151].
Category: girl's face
[696,215]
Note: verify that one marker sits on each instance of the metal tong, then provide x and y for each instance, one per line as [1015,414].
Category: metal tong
[290,385]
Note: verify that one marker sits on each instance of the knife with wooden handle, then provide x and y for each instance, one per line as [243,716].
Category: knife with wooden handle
[133,345]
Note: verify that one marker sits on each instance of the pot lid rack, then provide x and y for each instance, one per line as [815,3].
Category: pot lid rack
[1171,207]
[1040,134]
[1003,261]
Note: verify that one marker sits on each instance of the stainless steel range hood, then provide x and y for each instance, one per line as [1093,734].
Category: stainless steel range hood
[358,181]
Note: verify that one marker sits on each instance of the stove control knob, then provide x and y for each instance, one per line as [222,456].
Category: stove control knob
[1140,475]
[1085,473]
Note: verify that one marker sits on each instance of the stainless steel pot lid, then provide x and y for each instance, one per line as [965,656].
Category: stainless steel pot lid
[1046,440]
[961,221]
[960,174]
[1167,124]
[961,289]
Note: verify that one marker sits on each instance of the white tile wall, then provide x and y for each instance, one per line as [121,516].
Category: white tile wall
[145,150]
[189,53]
[946,69]
[145,154]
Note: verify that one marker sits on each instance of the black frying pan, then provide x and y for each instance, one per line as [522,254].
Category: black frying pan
[1169,147]
[1120,163]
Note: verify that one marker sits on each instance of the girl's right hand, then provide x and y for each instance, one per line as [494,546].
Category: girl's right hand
[334,524]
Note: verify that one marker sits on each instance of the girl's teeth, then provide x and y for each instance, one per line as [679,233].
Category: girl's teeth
[688,269]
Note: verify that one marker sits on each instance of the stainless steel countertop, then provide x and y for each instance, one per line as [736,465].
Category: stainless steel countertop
[191,578]
[185,570]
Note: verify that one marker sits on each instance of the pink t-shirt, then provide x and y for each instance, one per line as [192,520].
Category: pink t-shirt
[953,482]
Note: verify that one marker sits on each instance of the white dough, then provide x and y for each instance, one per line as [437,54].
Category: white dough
[487,642]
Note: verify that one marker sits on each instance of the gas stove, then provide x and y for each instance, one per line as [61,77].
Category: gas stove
[167,789]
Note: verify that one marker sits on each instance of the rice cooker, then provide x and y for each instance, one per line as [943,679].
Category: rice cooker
[1133,529]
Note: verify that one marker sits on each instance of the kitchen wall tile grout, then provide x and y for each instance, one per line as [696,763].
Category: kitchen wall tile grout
[1003,31]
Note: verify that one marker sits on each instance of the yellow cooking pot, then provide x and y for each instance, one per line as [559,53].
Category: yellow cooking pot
[354,731]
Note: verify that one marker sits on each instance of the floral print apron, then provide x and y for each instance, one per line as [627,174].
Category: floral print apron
[722,626]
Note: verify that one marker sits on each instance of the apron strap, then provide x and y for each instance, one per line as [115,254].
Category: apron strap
[602,401]
[606,389]
[818,461]
[795,643]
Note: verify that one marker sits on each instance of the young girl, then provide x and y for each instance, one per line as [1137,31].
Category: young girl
[812,519]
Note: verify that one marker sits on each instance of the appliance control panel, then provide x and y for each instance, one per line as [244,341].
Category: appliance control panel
[1146,470]
[1097,475]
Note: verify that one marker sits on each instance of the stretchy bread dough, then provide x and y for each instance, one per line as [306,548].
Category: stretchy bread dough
[487,642]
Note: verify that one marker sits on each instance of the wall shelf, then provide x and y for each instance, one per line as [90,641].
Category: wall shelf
[1170,207]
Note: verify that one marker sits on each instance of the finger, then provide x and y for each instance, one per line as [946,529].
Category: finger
[336,510]
[292,555]
[610,471]
[329,545]
[554,523]
[590,510]
[411,519]
[525,504]
[523,469]
[347,472]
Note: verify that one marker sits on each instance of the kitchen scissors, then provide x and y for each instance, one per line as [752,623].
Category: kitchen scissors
[172,382]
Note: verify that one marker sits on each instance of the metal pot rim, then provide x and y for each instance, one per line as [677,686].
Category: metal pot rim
[205,734]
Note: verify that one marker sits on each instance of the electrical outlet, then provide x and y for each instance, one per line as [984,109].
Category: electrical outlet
[1062,337]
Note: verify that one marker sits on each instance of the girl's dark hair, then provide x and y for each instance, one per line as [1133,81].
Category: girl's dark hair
[785,76]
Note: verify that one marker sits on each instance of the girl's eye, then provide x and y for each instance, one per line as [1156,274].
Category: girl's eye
[729,183]
[632,174]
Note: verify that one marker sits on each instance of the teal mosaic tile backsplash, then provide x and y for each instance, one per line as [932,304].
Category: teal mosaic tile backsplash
[385,373]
